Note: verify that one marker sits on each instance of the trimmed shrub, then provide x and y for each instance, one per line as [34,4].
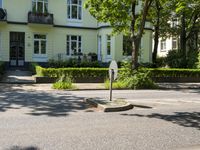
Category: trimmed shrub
[74,72]
[173,72]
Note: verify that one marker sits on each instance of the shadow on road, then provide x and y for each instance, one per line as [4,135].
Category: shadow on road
[40,102]
[23,148]
[186,119]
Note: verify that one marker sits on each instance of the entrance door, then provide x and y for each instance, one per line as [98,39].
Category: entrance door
[17,48]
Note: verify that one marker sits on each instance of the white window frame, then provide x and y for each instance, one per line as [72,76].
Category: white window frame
[69,16]
[163,45]
[1,4]
[43,5]
[174,40]
[108,41]
[39,40]
[70,44]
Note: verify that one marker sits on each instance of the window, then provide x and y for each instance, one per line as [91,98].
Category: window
[73,45]
[108,48]
[40,43]
[40,6]
[1,3]
[74,9]
[163,45]
[174,22]
[174,43]
[127,46]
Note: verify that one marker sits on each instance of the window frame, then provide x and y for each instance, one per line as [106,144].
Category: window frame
[43,6]
[69,41]
[1,4]
[108,41]
[40,44]
[174,40]
[70,5]
[163,45]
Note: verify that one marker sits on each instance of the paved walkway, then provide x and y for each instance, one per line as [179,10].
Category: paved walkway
[18,76]
[25,77]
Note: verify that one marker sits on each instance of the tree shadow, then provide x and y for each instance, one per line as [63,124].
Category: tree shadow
[54,104]
[185,119]
[23,148]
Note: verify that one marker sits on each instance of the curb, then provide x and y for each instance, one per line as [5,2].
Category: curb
[101,104]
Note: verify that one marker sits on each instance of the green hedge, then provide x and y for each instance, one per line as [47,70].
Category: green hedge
[2,67]
[74,72]
[163,72]
[103,72]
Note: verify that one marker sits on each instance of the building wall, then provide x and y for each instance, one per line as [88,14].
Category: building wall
[88,28]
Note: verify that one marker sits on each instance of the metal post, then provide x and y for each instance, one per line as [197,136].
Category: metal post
[111,80]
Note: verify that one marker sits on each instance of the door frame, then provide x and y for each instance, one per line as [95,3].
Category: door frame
[19,43]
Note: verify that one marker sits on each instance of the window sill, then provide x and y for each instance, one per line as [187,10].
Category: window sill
[40,58]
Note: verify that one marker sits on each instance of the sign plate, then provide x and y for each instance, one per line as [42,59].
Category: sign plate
[113,68]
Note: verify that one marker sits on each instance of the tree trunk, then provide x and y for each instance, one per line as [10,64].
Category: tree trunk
[156,36]
[135,52]
[183,39]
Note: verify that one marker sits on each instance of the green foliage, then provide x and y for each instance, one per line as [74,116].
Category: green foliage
[116,85]
[32,67]
[65,82]
[175,59]
[74,72]
[192,59]
[72,63]
[133,79]
[198,62]
[173,72]
[2,67]
[160,62]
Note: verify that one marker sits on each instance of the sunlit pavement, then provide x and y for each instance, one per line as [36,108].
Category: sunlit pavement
[38,118]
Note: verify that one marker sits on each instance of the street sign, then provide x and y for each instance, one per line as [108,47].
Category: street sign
[113,69]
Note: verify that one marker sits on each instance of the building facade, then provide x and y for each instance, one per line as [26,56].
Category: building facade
[39,30]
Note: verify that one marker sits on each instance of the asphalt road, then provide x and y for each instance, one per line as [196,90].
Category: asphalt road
[41,119]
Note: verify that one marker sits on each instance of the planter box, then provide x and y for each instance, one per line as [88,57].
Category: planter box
[176,79]
[76,80]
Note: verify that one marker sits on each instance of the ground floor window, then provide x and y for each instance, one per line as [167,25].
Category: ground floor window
[163,45]
[40,44]
[174,43]
[74,45]
[108,47]
[127,46]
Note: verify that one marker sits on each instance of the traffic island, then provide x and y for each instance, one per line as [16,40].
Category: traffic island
[109,106]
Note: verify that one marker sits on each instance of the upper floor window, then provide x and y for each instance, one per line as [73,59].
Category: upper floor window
[74,45]
[40,44]
[74,9]
[40,6]
[1,3]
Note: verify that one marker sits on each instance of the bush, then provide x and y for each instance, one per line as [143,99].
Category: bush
[65,82]
[72,63]
[133,79]
[74,72]
[32,67]
[2,67]
[161,62]
[198,61]
[192,59]
[175,60]
[173,72]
